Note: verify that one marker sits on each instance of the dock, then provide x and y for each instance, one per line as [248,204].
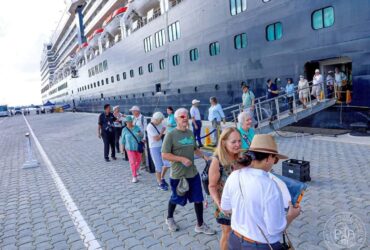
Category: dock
[76,200]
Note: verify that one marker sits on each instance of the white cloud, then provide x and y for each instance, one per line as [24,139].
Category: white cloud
[24,27]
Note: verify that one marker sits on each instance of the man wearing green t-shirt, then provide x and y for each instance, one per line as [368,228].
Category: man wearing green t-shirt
[179,147]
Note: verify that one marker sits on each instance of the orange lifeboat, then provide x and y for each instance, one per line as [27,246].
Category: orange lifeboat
[107,20]
[119,11]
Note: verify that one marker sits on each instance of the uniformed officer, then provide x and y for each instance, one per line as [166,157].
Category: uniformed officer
[105,131]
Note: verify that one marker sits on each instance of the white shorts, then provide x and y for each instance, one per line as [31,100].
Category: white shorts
[303,94]
[316,89]
[157,159]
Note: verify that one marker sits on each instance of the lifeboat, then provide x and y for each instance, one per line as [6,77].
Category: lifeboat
[112,22]
[143,6]
[94,38]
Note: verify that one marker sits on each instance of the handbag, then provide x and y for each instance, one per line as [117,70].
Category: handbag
[182,187]
[140,144]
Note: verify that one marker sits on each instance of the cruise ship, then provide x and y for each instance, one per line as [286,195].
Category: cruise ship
[159,53]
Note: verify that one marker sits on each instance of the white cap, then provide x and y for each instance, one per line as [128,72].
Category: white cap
[135,108]
[195,101]
[317,71]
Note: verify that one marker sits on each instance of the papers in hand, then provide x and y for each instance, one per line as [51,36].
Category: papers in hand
[292,190]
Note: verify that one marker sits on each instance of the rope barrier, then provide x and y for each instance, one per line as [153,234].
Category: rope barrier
[208,134]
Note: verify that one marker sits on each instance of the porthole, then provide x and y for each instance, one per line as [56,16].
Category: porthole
[178,91]
[196,89]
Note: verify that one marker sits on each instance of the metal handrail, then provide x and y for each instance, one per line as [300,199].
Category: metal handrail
[273,103]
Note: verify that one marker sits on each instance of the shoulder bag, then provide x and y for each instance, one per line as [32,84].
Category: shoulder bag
[140,144]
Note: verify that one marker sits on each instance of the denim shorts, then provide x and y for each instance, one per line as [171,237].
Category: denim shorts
[194,194]
[156,155]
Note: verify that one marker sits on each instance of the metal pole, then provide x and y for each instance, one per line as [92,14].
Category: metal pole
[31,162]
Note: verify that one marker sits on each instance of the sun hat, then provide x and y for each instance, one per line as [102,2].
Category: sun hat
[265,144]
[317,71]
[195,101]
[135,108]
[129,118]
[301,76]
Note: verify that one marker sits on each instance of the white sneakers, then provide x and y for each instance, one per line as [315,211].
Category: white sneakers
[134,180]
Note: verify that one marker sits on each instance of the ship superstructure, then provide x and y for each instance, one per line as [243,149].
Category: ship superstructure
[156,53]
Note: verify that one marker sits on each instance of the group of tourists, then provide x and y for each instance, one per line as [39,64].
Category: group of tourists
[238,173]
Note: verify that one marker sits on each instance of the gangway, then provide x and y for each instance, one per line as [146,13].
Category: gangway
[278,108]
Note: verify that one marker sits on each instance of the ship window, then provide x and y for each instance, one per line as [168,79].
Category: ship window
[106,80]
[150,67]
[102,82]
[274,31]
[141,71]
[148,41]
[100,67]
[323,18]
[176,60]
[88,86]
[96,69]
[105,65]
[118,77]
[178,91]
[92,72]
[174,31]
[112,79]
[132,73]
[159,38]
[143,94]
[194,54]
[214,48]
[240,41]
[237,6]
[98,83]
[195,89]
[124,75]
[89,73]
[94,84]
[162,64]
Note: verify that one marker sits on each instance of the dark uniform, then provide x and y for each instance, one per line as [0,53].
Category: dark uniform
[107,133]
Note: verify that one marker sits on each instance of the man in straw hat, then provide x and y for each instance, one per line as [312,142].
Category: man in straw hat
[258,217]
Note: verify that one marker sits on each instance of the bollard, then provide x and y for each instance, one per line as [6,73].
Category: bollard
[31,162]
[348,97]
[208,137]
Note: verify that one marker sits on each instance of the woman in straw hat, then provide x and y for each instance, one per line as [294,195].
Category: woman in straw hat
[223,163]
[255,201]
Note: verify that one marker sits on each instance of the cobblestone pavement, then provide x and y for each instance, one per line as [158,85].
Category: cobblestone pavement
[123,215]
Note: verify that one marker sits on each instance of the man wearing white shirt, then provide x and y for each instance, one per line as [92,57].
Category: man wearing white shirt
[196,121]
[258,217]
[317,82]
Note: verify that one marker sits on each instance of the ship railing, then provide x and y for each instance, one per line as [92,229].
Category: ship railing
[270,110]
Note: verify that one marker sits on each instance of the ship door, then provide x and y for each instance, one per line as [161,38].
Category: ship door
[309,69]
[158,88]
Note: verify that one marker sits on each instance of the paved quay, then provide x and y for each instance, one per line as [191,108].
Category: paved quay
[124,215]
